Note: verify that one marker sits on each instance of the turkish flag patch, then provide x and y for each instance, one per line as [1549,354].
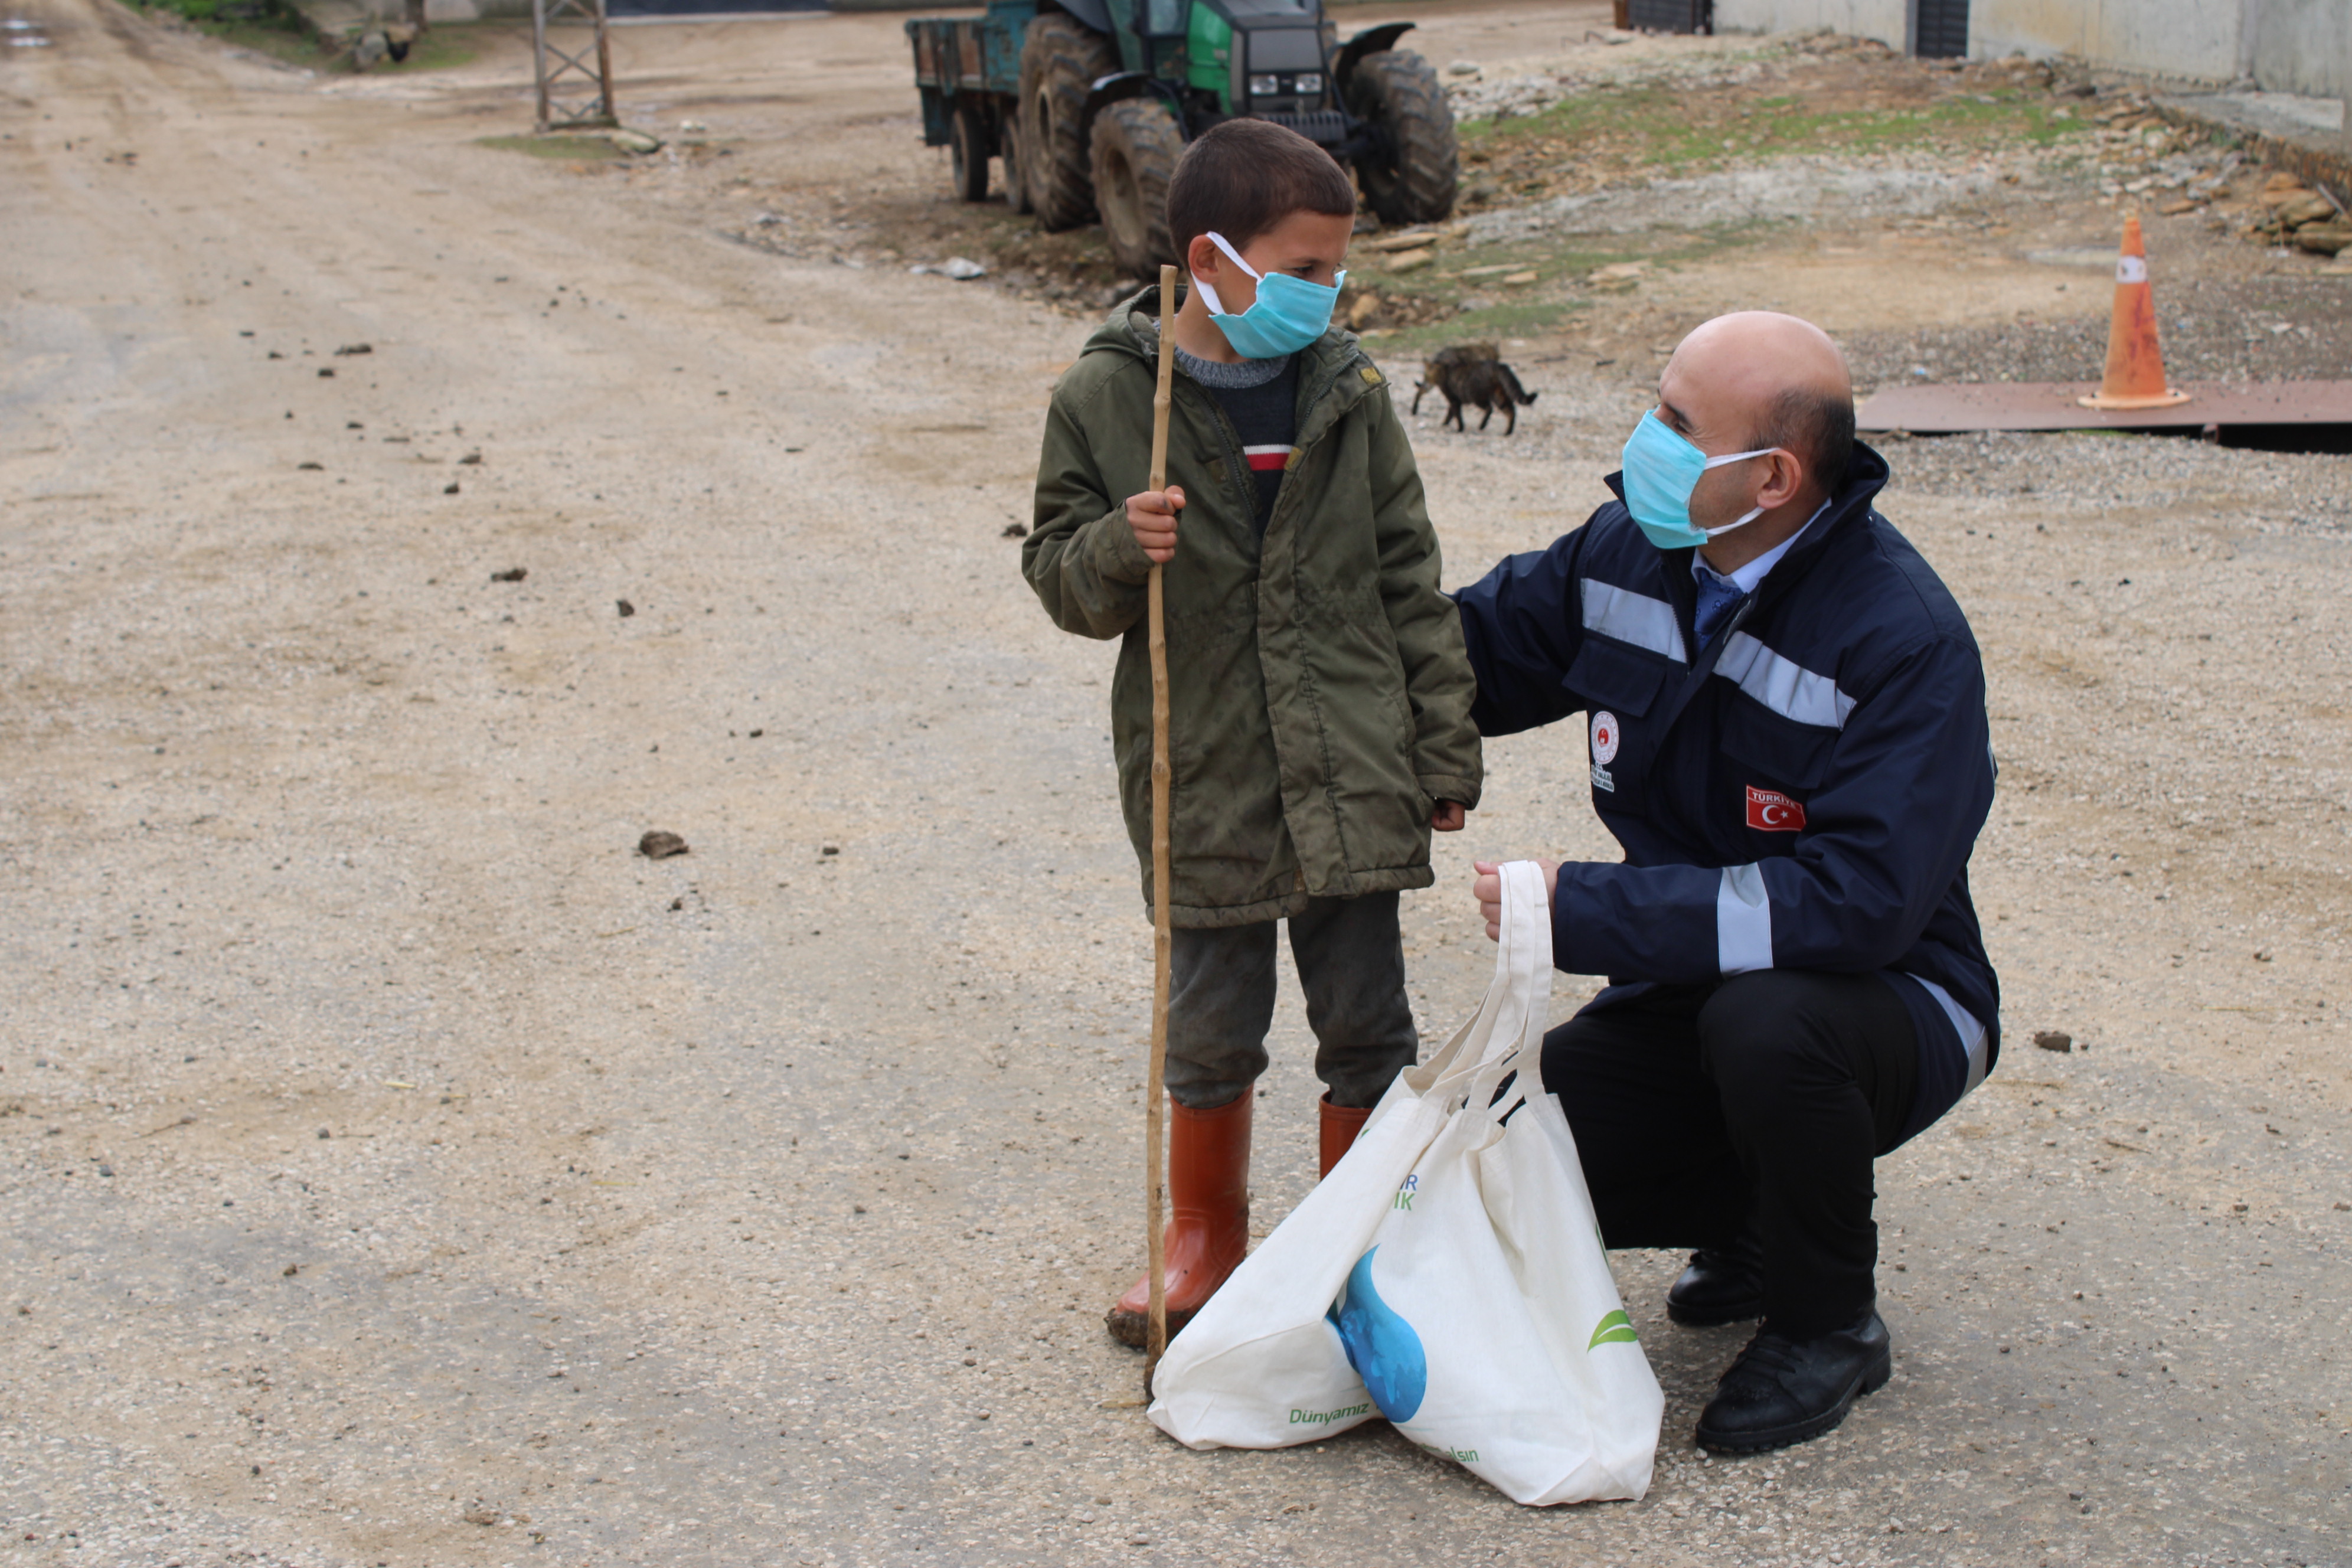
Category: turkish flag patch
[1770,811]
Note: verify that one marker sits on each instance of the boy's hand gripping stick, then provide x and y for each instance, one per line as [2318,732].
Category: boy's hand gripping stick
[1155,1081]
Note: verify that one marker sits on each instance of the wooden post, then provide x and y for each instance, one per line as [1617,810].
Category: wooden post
[1155,1112]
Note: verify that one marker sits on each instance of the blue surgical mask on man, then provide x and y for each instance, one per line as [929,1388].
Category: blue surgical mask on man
[1662,469]
[1288,314]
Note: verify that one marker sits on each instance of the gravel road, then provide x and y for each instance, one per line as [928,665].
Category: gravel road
[398,1168]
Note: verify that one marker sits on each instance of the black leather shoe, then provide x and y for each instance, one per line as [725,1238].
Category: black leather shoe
[1722,1285]
[1783,1391]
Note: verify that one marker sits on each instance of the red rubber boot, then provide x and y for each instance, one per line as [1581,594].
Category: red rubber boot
[1339,1126]
[1208,1227]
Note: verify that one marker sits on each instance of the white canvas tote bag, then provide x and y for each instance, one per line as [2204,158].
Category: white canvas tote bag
[1448,1275]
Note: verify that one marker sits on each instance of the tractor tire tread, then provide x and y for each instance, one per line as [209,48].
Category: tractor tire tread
[1398,89]
[1061,60]
[1143,131]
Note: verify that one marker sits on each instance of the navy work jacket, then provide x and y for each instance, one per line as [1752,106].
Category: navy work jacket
[1801,793]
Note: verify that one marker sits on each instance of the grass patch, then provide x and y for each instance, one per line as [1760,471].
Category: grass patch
[1658,126]
[445,47]
[295,47]
[575,149]
[276,29]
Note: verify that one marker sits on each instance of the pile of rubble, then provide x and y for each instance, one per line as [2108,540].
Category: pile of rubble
[2293,214]
[2140,151]
[1472,96]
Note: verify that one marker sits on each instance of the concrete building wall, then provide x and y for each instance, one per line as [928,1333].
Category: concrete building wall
[2300,45]
[1880,19]
[2285,45]
[2194,38]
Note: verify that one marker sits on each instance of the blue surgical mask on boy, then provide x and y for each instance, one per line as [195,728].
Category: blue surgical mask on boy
[1288,314]
[1661,470]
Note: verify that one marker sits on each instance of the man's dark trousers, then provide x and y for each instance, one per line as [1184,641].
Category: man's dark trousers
[1761,1100]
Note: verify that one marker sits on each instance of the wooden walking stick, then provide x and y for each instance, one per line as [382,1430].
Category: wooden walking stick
[1155,1114]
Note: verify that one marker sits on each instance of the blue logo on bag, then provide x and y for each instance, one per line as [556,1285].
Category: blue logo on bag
[1380,1345]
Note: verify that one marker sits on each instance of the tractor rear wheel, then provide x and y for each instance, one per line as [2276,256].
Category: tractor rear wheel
[1016,166]
[967,155]
[1414,181]
[1136,145]
[1060,62]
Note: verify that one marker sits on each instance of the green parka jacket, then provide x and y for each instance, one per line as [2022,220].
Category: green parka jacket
[1319,691]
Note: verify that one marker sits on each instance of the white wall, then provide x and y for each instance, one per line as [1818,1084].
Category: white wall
[2301,45]
[2286,46]
[1880,19]
[2195,38]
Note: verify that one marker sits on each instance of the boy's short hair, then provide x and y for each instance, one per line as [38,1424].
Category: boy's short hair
[1242,177]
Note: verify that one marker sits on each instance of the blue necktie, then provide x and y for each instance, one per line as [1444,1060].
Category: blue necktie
[1716,599]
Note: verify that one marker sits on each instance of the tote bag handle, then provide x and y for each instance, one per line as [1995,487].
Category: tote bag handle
[1510,1019]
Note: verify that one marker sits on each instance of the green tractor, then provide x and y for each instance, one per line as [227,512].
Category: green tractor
[1089,102]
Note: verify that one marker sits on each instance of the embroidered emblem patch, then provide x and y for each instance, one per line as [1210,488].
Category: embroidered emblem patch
[1770,811]
[1604,737]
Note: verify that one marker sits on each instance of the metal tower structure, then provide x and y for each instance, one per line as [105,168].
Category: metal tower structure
[563,75]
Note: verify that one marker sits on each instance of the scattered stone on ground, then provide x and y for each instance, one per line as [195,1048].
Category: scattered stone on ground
[660,844]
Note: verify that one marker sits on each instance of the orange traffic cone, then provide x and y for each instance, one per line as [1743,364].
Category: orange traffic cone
[2135,377]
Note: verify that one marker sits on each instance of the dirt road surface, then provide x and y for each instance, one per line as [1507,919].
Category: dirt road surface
[397,1169]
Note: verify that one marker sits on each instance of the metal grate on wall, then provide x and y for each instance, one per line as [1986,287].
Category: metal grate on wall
[1939,29]
[1672,16]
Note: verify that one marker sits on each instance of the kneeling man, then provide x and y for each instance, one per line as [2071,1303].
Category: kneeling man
[1787,716]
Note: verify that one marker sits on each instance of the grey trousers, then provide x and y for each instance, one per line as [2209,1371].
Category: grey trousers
[1350,958]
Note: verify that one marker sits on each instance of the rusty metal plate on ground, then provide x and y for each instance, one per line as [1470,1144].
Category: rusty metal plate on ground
[1933,408]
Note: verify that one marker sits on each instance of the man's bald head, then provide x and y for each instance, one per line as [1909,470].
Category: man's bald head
[1763,379]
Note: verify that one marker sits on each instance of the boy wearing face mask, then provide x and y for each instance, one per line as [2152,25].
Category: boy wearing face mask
[1320,691]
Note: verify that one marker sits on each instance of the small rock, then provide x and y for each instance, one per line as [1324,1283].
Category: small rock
[635,141]
[677,905]
[477,1514]
[1412,260]
[2261,955]
[450,489]
[830,850]
[1516,278]
[349,349]
[1463,67]
[2175,209]
[1016,531]
[2306,207]
[626,608]
[2054,1040]
[961,269]
[511,574]
[311,467]
[2324,239]
[326,373]
[469,459]
[323,1134]
[290,1270]
[658,845]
